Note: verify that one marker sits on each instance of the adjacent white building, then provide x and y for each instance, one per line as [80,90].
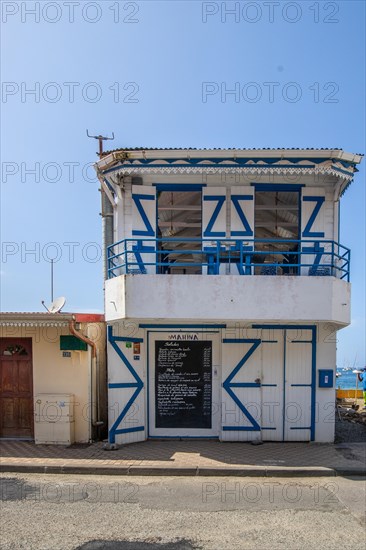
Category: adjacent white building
[225,287]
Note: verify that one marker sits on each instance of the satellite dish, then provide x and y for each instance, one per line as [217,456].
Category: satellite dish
[56,305]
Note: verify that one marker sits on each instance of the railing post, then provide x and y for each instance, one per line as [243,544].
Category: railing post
[217,269]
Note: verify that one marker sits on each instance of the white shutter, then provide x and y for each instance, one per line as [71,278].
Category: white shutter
[312,213]
[242,212]
[313,229]
[141,257]
[213,212]
[144,211]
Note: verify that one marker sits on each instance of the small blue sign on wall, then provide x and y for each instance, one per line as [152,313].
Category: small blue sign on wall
[325,378]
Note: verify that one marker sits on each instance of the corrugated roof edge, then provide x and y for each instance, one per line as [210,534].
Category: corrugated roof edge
[80,317]
[122,149]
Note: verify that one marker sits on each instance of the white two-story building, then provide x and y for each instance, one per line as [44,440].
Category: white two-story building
[225,286]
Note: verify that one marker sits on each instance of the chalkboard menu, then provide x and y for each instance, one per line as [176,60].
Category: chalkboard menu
[183,384]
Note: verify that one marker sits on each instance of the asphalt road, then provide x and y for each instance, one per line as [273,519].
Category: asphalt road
[69,512]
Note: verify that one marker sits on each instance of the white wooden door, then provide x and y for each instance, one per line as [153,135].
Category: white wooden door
[298,385]
[241,392]
[267,386]
[126,389]
[272,384]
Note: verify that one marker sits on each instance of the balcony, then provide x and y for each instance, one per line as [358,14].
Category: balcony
[228,257]
[226,280]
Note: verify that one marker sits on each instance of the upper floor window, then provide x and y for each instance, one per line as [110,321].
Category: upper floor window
[16,349]
[277,215]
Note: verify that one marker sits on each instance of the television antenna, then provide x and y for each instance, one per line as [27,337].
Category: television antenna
[100,138]
[56,305]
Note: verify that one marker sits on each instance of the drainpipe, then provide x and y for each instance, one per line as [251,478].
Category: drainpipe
[94,370]
[107,229]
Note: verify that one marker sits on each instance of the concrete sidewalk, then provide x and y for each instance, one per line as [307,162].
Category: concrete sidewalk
[191,458]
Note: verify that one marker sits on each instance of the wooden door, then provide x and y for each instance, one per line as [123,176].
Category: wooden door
[16,387]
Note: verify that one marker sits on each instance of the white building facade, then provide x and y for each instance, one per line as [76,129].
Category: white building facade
[225,287]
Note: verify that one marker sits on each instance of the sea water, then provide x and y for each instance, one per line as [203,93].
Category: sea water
[347,380]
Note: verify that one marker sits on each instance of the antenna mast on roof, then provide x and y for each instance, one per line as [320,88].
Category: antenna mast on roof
[100,138]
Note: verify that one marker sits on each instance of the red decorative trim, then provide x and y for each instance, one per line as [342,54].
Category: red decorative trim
[89,317]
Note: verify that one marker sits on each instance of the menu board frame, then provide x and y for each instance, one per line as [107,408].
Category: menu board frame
[184,336]
[183,384]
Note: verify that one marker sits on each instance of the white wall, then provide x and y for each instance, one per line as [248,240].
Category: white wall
[123,212]
[213,297]
[266,363]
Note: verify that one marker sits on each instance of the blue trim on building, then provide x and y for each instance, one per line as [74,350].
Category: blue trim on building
[313,382]
[252,428]
[129,430]
[184,437]
[313,329]
[277,186]
[147,414]
[228,385]
[149,231]
[284,386]
[280,327]
[236,341]
[229,162]
[179,186]
[202,326]
[127,339]
[318,252]
[245,385]
[138,385]
[220,199]
[319,201]
[300,428]
[248,231]
[113,385]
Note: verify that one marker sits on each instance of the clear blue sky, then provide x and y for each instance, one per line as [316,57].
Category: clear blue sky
[167,50]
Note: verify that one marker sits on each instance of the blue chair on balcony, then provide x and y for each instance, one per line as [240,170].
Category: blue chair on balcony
[137,271]
[268,270]
[319,271]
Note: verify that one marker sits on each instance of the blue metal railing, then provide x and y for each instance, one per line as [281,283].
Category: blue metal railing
[229,256]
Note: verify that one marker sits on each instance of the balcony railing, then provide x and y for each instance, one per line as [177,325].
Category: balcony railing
[229,256]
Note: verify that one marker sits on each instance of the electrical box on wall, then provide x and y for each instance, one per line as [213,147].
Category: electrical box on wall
[325,378]
[71,343]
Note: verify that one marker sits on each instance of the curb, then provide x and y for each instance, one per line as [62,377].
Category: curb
[259,471]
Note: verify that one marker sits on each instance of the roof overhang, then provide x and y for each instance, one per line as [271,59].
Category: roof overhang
[333,162]
[23,319]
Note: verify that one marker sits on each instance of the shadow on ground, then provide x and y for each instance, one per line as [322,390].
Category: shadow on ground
[137,545]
